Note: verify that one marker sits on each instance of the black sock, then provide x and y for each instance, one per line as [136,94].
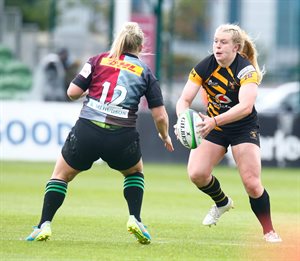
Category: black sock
[133,193]
[213,189]
[261,208]
[55,193]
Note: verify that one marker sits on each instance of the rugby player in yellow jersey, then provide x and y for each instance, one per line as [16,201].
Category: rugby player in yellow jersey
[230,78]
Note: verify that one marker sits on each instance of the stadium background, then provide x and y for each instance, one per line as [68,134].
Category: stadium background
[91,225]
[179,34]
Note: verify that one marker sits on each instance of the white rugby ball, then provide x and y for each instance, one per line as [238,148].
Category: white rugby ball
[186,129]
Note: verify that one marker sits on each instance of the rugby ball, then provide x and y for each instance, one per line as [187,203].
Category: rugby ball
[186,129]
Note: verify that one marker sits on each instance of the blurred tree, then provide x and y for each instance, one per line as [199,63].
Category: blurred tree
[34,11]
[189,19]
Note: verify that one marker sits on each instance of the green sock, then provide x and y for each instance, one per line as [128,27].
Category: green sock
[133,193]
[55,193]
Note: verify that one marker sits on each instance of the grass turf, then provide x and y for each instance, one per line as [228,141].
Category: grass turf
[91,224]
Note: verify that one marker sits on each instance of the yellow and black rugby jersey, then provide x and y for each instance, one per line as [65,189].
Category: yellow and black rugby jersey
[222,85]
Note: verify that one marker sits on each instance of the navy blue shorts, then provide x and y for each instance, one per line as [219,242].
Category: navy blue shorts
[87,142]
[234,137]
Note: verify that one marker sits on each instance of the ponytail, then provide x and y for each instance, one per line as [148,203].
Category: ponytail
[249,51]
[129,39]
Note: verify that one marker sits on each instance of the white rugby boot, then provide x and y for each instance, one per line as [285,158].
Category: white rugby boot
[215,213]
[272,237]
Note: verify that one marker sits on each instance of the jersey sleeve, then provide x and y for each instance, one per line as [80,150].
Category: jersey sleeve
[201,71]
[195,77]
[84,77]
[248,74]
[153,94]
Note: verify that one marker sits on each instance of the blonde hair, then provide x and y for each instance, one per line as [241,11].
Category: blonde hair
[129,39]
[247,47]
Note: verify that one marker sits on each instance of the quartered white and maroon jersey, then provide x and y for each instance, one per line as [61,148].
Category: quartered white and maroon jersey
[115,89]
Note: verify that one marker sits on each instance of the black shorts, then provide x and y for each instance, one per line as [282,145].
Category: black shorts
[87,142]
[233,137]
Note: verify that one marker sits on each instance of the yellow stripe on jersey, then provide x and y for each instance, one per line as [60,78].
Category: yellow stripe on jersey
[220,76]
[219,89]
[212,110]
[222,79]
[195,78]
[212,113]
[123,65]
[230,72]
[210,92]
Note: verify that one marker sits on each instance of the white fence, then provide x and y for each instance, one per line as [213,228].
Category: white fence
[35,131]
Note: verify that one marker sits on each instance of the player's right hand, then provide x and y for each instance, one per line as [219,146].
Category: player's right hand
[167,142]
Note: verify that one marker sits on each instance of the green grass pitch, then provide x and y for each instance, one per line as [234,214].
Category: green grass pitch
[91,224]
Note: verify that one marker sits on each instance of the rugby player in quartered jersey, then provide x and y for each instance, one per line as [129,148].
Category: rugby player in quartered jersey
[113,83]
[115,89]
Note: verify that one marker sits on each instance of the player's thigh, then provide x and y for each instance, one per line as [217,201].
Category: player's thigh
[126,159]
[63,170]
[138,167]
[82,145]
[204,158]
[247,158]
[248,161]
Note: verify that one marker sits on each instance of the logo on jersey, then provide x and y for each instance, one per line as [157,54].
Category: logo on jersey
[232,86]
[253,135]
[122,65]
[248,76]
[221,98]
[109,109]
[194,77]
[193,73]
[86,70]
[211,83]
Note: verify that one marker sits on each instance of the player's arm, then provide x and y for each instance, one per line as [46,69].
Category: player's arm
[247,97]
[188,94]
[161,120]
[80,84]
[74,92]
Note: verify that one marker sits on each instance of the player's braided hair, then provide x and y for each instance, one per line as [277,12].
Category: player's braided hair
[129,40]
[247,47]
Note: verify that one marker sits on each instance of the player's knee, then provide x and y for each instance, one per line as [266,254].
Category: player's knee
[198,177]
[253,188]
[66,176]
